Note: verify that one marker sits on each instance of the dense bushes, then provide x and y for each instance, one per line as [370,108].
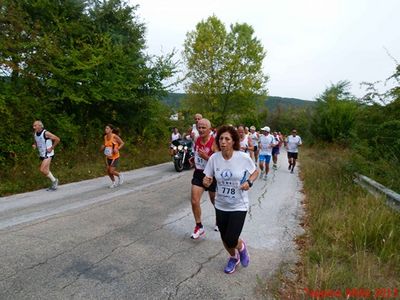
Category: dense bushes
[76,65]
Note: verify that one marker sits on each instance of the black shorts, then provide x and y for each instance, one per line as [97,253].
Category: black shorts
[275,151]
[292,155]
[255,148]
[197,179]
[113,162]
[43,158]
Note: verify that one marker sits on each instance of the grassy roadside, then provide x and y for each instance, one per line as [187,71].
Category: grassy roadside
[71,166]
[352,239]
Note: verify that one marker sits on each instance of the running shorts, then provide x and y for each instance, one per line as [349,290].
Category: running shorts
[266,158]
[275,151]
[292,155]
[113,162]
[43,158]
[197,179]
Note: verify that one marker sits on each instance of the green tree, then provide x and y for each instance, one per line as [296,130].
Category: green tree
[284,120]
[335,114]
[378,122]
[225,78]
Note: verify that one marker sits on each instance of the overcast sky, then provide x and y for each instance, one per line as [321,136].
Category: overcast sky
[310,43]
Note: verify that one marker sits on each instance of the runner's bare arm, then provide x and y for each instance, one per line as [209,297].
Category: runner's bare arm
[245,186]
[251,146]
[54,138]
[119,141]
[203,154]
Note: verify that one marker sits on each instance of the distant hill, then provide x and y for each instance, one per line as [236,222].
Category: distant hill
[173,100]
[272,103]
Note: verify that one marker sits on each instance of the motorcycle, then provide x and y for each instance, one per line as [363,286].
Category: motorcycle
[182,150]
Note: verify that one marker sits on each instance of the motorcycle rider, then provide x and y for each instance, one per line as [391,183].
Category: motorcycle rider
[204,147]
[175,135]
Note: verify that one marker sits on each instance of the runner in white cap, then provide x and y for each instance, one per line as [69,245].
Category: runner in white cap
[266,143]
[292,144]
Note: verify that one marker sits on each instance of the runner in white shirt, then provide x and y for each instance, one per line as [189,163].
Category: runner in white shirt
[195,133]
[246,144]
[230,168]
[266,143]
[254,137]
[292,144]
[276,150]
[45,142]
[246,130]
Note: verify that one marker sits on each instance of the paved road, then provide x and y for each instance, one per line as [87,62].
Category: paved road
[86,241]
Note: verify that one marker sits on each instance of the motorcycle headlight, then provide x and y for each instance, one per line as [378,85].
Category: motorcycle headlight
[185,147]
[174,148]
[180,147]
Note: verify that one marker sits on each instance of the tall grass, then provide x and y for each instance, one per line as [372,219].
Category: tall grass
[72,165]
[353,238]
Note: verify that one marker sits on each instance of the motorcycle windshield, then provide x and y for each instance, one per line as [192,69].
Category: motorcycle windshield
[182,142]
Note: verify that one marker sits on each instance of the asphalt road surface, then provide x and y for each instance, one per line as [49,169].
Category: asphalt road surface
[86,241]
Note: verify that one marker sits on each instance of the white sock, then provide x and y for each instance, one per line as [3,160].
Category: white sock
[52,178]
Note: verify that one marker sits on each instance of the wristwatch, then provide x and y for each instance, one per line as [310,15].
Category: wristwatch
[250,182]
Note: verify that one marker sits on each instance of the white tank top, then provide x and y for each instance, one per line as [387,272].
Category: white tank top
[254,137]
[43,143]
[245,144]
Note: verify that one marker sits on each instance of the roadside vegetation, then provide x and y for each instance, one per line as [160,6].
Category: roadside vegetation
[352,238]
[85,163]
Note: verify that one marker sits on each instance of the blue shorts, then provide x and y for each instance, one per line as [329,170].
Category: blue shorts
[266,158]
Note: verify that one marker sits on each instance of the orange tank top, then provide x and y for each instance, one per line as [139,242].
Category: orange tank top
[110,145]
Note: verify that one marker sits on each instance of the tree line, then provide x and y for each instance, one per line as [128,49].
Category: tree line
[369,126]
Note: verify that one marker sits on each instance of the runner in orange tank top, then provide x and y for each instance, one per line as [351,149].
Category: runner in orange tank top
[111,146]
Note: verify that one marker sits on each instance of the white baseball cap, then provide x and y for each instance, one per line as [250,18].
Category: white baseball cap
[266,128]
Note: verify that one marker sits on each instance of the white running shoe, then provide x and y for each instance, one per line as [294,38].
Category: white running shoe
[120,179]
[216,228]
[53,186]
[114,185]
[198,231]
[265,177]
